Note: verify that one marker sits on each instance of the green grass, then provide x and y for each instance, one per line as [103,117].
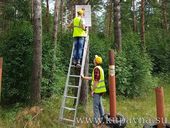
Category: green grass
[137,108]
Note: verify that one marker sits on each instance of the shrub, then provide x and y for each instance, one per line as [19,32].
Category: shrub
[51,84]
[17,54]
[159,49]
[133,68]
[16,49]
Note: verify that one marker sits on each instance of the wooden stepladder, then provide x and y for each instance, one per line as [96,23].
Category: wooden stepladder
[70,101]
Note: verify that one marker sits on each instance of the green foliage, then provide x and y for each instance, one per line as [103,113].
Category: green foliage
[65,44]
[99,46]
[16,49]
[159,49]
[17,54]
[47,62]
[18,10]
[51,84]
[123,74]
[133,68]
[8,115]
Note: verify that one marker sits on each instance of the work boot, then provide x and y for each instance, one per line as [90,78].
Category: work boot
[78,64]
[74,62]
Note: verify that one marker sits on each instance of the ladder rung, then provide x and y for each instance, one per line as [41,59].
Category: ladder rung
[73,86]
[78,76]
[68,120]
[71,97]
[73,66]
[71,109]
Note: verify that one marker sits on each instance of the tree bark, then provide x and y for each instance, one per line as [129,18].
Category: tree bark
[56,9]
[110,23]
[109,20]
[32,13]
[68,12]
[87,1]
[143,24]
[37,53]
[1,15]
[134,17]
[47,16]
[61,16]
[85,83]
[117,26]
[55,32]
[84,87]
[164,11]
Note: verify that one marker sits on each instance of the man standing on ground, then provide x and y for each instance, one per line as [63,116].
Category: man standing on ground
[79,34]
[97,90]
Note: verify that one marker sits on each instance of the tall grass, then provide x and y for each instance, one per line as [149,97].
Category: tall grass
[143,107]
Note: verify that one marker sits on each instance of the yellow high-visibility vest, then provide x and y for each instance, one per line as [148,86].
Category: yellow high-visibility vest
[78,31]
[101,84]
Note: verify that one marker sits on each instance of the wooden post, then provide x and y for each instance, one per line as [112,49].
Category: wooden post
[112,85]
[1,62]
[160,106]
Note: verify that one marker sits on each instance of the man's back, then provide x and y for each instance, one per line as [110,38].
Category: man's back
[78,27]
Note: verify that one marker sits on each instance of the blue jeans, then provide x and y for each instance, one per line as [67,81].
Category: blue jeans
[97,108]
[78,48]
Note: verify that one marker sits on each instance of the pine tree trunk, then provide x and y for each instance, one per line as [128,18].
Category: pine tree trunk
[47,16]
[73,11]
[61,16]
[107,17]
[85,83]
[32,13]
[68,12]
[55,32]
[117,26]
[1,15]
[109,20]
[110,23]
[84,87]
[94,23]
[143,24]
[37,53]
[164,11]
[134,17]
[70,8]
[87,1]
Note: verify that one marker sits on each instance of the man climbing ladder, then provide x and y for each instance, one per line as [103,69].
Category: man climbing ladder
[79,34]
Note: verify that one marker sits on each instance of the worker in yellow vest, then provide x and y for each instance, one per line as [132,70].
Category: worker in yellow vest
[79,34]
[98,88]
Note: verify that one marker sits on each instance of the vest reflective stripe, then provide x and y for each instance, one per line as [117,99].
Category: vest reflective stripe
[78,31]
[101,84]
